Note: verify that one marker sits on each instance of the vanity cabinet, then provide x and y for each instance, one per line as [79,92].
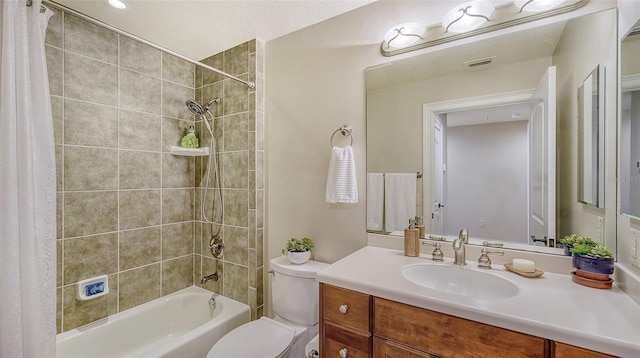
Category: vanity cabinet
[561,350]
[354,324]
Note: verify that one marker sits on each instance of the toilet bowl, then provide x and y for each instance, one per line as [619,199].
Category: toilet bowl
[295,323]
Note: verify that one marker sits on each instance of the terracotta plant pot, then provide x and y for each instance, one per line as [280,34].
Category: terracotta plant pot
[591,264]
[298,257]
[593,275]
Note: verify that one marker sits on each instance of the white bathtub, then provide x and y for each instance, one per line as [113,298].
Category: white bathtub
[178,325]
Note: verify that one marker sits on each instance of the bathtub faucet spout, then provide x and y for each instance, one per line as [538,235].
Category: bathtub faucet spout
[212,277]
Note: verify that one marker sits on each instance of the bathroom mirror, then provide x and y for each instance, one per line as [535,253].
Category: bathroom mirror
[500,172]
[591,139]
[630,124]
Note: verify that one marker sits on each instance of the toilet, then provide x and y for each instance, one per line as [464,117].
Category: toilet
[294,293]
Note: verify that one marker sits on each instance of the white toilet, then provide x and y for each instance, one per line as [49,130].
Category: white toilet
[294,293]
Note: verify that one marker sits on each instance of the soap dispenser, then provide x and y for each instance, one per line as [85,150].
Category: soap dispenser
[412,239]
[420,226]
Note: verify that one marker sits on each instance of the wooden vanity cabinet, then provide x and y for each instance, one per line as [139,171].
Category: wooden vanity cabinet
[562,350]
[354,325]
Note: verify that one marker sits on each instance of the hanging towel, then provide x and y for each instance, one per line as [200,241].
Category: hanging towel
[341,180]
[399,200]
[375,201]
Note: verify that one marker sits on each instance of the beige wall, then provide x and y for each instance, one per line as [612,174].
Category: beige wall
[315,83]
[582,46]
[126,206]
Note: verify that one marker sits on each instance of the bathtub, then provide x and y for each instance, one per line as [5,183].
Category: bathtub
[178,325]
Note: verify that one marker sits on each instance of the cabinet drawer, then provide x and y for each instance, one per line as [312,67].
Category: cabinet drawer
[349,308]
[449,336]
[561,350]
[383,348]
[353,343]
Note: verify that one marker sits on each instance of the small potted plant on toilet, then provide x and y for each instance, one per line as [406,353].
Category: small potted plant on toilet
[298,251]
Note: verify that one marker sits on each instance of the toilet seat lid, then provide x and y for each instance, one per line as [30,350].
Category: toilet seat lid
[258,339]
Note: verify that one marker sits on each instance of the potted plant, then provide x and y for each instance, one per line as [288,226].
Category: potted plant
[298,251]
[596,259]
[570,241]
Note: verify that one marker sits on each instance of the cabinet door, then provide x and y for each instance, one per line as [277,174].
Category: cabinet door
[340,341]
[383,348]
[561,350]
[449,336]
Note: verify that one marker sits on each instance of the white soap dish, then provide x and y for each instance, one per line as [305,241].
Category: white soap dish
[93,287]
[537,272]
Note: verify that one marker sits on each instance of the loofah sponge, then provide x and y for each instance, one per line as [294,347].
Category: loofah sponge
[190,140]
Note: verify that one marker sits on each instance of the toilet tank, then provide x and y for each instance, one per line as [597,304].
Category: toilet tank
[294,290]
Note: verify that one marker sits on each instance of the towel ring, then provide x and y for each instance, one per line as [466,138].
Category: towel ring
[345,130]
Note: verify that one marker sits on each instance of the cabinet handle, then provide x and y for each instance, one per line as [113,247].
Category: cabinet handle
[343,308]
[343,353]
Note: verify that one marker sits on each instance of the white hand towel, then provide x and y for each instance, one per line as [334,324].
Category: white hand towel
[399,200]
[341,180]
[375,201]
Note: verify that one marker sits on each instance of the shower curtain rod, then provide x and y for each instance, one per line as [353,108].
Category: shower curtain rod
[148,43]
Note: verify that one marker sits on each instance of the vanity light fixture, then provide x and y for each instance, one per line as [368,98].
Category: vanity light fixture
[404,35]
[472,18]
[536,5]
[118,4]
[468,16]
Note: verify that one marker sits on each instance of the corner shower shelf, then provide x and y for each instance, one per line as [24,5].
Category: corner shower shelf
[190,152]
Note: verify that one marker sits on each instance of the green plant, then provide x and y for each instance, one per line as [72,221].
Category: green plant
[596,251]
[573,240]
[298,245]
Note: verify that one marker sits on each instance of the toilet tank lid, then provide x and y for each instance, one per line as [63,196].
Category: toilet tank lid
[306,270]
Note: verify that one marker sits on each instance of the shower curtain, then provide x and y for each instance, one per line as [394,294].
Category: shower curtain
[27,186]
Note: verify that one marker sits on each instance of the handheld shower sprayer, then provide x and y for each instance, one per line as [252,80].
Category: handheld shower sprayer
[197,109]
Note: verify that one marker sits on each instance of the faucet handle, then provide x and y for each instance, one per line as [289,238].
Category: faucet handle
[484,261]
[437,238]
[437,254]
[492,244]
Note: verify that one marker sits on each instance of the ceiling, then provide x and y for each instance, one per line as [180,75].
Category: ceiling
[200,28]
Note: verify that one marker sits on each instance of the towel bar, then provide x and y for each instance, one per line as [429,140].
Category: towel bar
[345,130]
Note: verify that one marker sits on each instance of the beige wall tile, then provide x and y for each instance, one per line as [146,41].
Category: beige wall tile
[139,131]
[139,170]
[90,124]
[236,207]
[59,167]
[177,205]
[59,291]
[236,132]
[215,61]
[82,173]
[90,256]
[235,97]
[235,283]
[81,74]
[87,39]
[54,29]
[139,208]
[235,245]
[139,92]
[56,111]
[177,274]
[174,97]
[173,130]
[54,69]
[177,240]
[59,216]
[138,286]
[236,172]
[139,57]
[88,213]
[177,171]
[177,70]
[77,313]
[236,60]
[210,266]
[139,247]
[59,256]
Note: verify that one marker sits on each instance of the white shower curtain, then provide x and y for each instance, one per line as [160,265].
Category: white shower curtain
[27,187]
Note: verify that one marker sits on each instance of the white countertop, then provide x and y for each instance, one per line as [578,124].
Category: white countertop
[551,306]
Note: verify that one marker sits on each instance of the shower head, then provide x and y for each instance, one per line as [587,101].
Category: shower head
[195,107]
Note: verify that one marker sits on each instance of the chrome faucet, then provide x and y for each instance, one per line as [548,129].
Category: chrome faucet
[459,249]
[212,277]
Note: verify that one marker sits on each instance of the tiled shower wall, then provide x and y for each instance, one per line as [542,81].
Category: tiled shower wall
[126,206]
[239,134]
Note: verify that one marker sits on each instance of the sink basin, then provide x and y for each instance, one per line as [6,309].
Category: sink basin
[459,281]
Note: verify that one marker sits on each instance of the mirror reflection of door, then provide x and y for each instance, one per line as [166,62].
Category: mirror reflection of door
[438,173]
[542,172]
